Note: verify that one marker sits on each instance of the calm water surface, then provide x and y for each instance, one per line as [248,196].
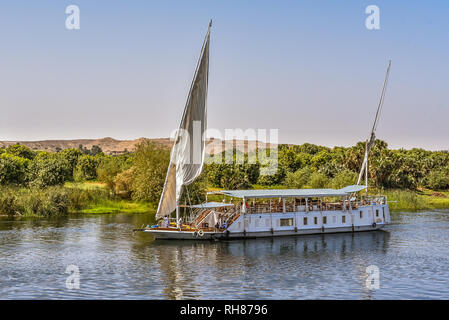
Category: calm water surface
[412,255]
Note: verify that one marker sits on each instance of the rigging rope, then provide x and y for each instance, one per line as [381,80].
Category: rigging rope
[188,196]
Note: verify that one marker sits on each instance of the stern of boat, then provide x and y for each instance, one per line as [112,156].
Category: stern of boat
[176,234]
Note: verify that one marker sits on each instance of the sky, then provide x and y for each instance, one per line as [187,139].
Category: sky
[310,69]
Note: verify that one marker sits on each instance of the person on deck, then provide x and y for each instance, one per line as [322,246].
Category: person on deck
[224,225]
[179,225]
[165,223]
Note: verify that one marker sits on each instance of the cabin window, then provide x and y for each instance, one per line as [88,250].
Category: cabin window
[305,221]
[324,220]
[377,213]
[361,214]
[343,219]
[286,222]
[315,220]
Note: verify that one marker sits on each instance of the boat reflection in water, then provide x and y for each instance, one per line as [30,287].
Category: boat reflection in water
[313,266]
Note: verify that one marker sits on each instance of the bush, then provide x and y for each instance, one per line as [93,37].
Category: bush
[13,169]
[21,151]
[110,166]
[123,182]
[150,167]
[272,179]
[234,177]
[318,180]
[299,179]
[343,179]
[196,191]
[437,180]
[48,169]
[71,155]
[86,168]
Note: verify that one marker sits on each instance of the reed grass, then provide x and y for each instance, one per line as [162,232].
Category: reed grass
[413,200]
[401,200]
[54,201]
[59,201]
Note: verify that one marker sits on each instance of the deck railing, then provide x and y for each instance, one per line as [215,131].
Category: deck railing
[232,213]
[314,205]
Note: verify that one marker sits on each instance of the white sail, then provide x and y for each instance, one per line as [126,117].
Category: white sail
[187,155]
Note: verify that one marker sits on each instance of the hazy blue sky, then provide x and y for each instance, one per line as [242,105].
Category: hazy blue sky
[309,68]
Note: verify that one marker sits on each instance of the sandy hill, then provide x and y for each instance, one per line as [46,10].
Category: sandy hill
[114,146]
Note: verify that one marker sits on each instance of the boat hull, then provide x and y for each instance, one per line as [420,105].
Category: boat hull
[190,235]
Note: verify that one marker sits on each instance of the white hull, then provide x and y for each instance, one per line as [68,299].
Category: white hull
[184,235]
[368,218]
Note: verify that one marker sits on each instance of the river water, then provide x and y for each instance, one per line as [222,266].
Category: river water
[411,254]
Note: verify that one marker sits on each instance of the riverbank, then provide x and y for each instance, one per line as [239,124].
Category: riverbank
[96,198]
[107,203]
[72,198]
[421,199]
[399,200]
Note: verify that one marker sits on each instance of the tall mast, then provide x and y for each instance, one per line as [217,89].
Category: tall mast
[188,150]
[198,66]
[372,138]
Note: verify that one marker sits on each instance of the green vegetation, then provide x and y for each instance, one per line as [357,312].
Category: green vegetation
[148,175]
[407,177]
[86,168]
[61,200]
[53,201]
[39,183]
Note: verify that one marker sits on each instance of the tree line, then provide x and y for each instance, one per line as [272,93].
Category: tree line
[140,175]
[314,166]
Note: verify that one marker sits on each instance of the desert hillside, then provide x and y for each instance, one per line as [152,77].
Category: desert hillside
[114,146]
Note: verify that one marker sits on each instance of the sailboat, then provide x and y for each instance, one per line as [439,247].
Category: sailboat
[257,213]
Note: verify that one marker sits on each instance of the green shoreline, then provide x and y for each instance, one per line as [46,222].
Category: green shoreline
[72,198]
[119,206]
[94,198]
[110,205]
[399,200]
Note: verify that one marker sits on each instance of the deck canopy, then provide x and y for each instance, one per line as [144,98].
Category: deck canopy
[290,193]
[211,205]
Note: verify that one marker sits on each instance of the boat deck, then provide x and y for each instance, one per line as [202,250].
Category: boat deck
[186,229]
